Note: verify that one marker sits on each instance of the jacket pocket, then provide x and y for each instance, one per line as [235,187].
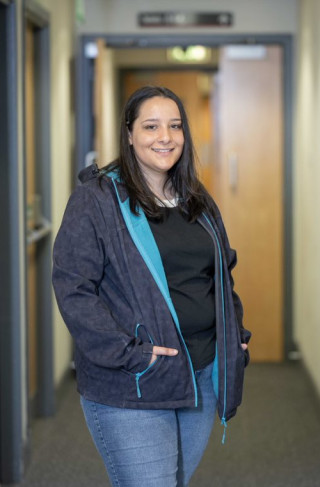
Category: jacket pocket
[143,333]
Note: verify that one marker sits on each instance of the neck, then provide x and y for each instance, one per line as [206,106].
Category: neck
[156,183]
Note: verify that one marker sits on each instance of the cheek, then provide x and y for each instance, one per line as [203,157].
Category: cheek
[144,142]
[180,138]
[181,141]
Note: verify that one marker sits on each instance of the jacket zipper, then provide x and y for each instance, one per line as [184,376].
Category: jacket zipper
[223,419]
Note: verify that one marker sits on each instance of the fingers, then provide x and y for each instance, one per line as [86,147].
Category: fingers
[244,346]
[164,351]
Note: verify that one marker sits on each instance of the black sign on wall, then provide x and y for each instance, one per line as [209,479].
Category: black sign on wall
[183,19]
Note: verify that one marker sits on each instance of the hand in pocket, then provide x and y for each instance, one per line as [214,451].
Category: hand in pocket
[162,351]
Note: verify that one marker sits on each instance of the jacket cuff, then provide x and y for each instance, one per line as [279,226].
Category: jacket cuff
[245,335]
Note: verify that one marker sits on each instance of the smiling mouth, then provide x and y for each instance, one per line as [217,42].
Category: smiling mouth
[162,151]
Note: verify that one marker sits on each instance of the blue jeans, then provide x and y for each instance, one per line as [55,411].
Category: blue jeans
[153,448]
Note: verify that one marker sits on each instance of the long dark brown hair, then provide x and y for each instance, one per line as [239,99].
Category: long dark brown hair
[182,177]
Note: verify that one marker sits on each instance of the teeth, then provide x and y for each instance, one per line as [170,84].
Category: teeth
[162,150]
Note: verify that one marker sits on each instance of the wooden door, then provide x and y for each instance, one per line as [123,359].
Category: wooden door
[248,186]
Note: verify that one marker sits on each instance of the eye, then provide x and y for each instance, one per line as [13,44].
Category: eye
[150,127]
[176,126]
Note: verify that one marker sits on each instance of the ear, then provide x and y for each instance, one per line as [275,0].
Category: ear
[130,137]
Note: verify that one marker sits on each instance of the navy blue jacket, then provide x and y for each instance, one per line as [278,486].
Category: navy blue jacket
[113,295]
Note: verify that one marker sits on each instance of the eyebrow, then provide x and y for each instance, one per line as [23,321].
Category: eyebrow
[157,120]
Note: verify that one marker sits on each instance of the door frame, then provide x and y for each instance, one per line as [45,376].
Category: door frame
[12,261]
[84,124]
[14,408]
[40,19]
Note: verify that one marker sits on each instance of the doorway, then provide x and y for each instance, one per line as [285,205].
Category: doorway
[38,211]
[248,185]
[277,305]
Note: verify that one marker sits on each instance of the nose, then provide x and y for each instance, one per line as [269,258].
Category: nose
[164,135]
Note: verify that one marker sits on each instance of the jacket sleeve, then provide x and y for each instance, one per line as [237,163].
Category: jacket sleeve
[79,265]
[231,256]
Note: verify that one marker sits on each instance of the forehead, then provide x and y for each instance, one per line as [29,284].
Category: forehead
[159,107]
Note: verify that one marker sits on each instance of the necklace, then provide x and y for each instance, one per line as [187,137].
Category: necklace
[168,203]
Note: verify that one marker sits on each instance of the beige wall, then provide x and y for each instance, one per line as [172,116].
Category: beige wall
[62,135]
[250,16]
[307,191]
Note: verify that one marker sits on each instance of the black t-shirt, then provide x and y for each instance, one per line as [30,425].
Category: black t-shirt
[187,253]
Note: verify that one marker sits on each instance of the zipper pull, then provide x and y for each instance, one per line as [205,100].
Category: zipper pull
[95,169]
[138,387]
[224,424]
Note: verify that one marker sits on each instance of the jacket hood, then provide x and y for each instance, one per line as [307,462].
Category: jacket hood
[88,173]
[92,172]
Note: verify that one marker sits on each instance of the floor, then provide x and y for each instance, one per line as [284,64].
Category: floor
[274,441]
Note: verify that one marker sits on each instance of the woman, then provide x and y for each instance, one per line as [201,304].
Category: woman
[142,275]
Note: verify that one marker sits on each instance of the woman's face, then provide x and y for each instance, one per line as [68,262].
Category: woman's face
[157,136]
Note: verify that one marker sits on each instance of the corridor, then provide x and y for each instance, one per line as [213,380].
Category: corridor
[67,67]
[274,441]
